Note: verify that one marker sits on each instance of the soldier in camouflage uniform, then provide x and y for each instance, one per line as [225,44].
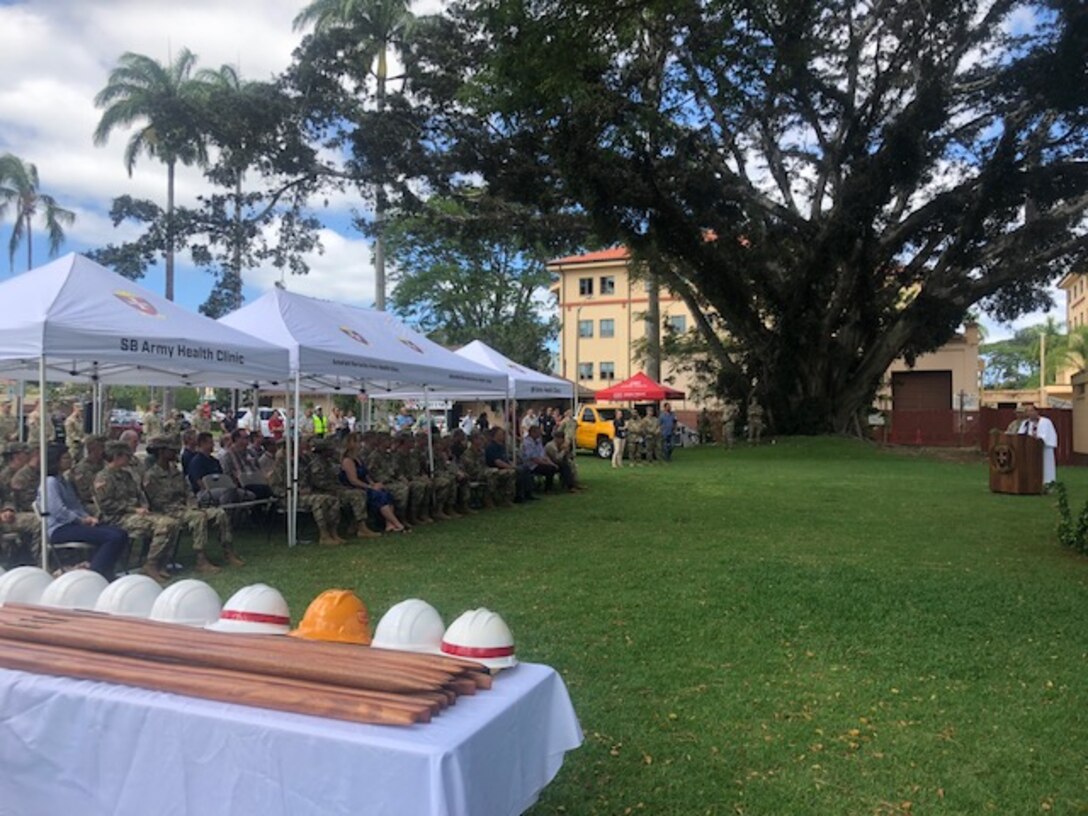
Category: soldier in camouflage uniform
[9,425]
[406,470]
[755,422]
[474,464]
[20,531]
[152,425]
[82,475]
[121,501]
[325,509]
[439,487]
[73,431]
[168,492]
[322,475]
[201,423]
[444,481]
[655,444]
[16,454]
[379,464]
[635,438]
[459,487]
[729,424]
[26,481]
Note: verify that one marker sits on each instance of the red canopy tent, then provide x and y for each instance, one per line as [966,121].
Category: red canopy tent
[638,388]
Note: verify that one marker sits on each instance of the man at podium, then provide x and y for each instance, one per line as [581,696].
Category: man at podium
[1043,429]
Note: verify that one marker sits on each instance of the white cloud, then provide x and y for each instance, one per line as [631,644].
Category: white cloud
[344,272]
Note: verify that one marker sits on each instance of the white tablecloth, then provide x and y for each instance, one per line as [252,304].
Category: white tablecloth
[88,749]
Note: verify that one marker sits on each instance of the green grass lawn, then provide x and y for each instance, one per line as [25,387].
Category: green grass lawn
[813,627]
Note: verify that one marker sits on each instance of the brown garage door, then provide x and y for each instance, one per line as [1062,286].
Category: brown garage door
[922,391]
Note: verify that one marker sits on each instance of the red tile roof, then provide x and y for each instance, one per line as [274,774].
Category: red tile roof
[614,254]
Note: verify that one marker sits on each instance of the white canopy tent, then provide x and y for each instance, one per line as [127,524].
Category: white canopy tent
[91,324]
[73,319]
[333,346]
[521,383]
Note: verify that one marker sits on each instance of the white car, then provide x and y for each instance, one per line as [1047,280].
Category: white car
[244,417]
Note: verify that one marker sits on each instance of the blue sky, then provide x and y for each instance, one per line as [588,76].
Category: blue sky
[55,55]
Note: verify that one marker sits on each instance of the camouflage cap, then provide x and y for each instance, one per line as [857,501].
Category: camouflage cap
[322,445]
[13,448]
[163,442]
[94,439]
[116,448]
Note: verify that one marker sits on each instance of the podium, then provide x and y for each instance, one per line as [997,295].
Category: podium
[1016,463]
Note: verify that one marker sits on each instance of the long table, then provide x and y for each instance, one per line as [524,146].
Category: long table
[89,748]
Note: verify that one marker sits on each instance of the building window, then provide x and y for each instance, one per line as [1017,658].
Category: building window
[608,371]
[678,323]
[608,328]
[585,287]
[608,285]
[585,328]
[585,371]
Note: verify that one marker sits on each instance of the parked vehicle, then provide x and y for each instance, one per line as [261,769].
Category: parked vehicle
[122,420]
[595,429]
[244,419]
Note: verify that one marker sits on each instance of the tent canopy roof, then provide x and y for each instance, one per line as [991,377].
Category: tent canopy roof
[522,383]
[333,345]
[638,387]
[89,322]
[525,383]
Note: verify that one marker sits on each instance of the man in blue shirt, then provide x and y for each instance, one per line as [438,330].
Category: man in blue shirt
[535,459]
[668,427]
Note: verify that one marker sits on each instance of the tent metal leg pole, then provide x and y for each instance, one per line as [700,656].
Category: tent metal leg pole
[292,506]
[430,425]
[43,504]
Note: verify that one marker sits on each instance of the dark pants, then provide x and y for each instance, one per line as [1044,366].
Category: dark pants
[523,483]
[110,543]
[548,471]
[261,491]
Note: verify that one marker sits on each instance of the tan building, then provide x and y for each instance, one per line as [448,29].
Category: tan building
[602,309]
[1075,287]
[945,379]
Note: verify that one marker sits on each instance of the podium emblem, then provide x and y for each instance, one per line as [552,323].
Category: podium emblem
[1002,459]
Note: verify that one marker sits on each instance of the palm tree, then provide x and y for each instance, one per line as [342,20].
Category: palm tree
[19,189]
[380,25]
[163,100]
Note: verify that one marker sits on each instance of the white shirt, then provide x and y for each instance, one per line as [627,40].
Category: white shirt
[1042,428]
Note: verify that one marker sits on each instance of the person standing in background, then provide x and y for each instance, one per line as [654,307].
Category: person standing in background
[1040,427]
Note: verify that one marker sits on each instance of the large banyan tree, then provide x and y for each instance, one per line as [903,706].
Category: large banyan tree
[829,184]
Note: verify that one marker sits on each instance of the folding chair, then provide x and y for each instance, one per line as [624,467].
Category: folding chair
[64,555]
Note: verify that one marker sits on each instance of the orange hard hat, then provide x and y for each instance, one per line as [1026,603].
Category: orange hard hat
[338,615]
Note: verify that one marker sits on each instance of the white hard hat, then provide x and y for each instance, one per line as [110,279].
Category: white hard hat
[257,609]
[78,589]
[132,596]
[410,626]
[189,602]
[483,636]
[24,585]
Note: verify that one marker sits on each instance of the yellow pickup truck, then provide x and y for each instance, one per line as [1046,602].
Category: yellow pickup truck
[595,429]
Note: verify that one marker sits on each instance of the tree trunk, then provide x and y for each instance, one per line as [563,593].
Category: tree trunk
[653,327]
[236,260]
[170,230]
[379,203]
[29,244]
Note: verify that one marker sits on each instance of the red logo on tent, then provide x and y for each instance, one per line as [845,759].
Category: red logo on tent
[354,335]
[411,345]
[140,304]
